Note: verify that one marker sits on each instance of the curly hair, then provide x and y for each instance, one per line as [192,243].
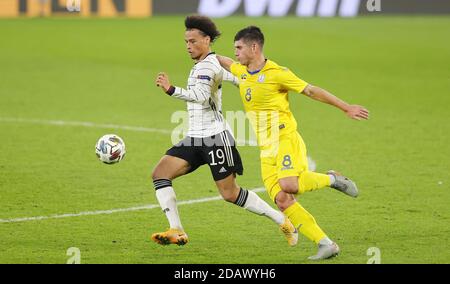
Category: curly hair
[203,24]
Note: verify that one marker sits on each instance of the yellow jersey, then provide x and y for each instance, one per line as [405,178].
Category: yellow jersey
[264,94]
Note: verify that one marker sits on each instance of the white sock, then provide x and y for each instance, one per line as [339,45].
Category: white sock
[332,179]
[325,241]
[253,203]
[168,202]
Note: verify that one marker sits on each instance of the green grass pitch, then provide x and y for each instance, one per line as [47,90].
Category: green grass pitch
[103,71]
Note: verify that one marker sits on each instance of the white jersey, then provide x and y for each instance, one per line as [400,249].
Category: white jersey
[204,97]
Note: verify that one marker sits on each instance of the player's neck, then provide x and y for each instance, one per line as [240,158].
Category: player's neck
[203,56]
[257,64]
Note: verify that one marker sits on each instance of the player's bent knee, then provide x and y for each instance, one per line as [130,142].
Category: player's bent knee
[170,168]
[156,173]
[288,187]
[160,173]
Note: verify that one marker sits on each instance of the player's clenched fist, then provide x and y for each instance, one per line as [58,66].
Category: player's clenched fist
[162,80]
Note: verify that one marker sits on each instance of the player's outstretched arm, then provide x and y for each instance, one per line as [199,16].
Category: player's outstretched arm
[225,62]
[198,93]
[353,111]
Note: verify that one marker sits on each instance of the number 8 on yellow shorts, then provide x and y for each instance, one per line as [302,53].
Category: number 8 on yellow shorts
[287,160]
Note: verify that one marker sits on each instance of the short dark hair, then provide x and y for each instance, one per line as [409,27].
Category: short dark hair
[250,33]
[203,24]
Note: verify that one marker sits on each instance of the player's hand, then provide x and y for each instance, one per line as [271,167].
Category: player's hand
[162,80]
[357,112]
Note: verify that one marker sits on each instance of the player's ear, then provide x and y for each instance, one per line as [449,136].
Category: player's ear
[208,40]
[254,47]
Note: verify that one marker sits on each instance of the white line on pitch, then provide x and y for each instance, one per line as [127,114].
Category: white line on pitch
[84,124]
[112,211]
[106,126]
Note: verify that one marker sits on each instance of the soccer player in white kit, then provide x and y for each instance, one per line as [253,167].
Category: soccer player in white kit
[209,139]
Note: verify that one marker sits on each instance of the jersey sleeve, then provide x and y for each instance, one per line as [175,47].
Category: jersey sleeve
[201,91]
[289,81]
[227,76]
[236,69]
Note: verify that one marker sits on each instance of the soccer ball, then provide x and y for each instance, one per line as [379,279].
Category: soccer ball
[110,149]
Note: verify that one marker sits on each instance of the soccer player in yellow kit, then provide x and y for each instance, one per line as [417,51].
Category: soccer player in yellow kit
[264,87]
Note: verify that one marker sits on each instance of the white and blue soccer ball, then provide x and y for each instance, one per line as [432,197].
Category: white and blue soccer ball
[110,149]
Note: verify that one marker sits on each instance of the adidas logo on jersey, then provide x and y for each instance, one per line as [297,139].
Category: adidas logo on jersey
[222,170]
